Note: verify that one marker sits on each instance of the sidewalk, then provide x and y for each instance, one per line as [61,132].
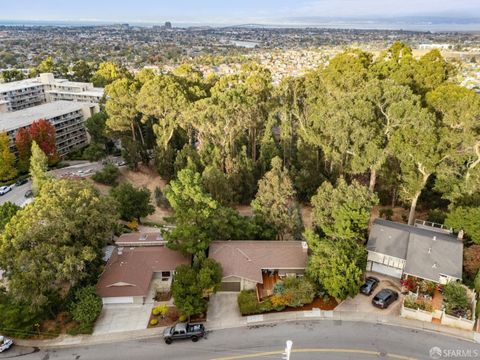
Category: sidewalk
[312,315]
[84,340]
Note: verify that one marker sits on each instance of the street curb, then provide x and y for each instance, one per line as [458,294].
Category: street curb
[87,340]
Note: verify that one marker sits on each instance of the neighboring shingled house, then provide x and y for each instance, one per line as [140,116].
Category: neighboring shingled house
[427,252]
[130,271]
[249,265]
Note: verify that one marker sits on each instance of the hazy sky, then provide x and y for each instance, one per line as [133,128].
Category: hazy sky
[226,11]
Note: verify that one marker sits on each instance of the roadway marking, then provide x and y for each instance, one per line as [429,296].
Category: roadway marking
[351,351]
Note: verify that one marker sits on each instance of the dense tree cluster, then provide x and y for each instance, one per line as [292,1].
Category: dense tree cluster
[357,132]
[55,242]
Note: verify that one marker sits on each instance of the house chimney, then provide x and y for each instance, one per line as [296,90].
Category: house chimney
[460,235]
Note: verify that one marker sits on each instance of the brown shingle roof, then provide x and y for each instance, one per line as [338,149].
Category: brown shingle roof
[130,273]
[246,259]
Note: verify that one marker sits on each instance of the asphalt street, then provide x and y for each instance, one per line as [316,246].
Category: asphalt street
[326,340]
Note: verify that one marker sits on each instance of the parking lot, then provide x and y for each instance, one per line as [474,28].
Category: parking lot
[363,303]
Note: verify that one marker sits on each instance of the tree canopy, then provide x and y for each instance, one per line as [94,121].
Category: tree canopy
[343,211]
[56,241]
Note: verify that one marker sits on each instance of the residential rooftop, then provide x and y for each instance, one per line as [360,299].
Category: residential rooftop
[129,271]
[429,253]
[246,259]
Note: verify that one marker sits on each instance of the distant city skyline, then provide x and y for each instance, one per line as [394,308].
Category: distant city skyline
[224,12]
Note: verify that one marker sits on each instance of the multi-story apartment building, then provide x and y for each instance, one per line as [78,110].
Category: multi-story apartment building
[67,117]
[65,104]
[23,94]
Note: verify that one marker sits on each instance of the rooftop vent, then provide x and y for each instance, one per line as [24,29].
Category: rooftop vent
[304,245]
[430,250]
[434,238]
[120,250]
[143,237]
[434,266]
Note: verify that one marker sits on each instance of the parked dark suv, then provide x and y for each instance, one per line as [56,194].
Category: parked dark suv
[370,284]
[384,298]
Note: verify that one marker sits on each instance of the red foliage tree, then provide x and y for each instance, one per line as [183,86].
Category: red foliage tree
[23,143]
[43,133]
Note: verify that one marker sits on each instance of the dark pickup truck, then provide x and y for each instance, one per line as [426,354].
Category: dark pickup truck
[184,331]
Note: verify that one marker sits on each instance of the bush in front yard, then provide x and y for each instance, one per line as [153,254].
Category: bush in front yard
[160,310]
[85,308]
[247,302]
[456,298]
[300,290]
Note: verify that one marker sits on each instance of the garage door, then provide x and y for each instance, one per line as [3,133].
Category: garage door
[118,300]
[230,286]
[386,270]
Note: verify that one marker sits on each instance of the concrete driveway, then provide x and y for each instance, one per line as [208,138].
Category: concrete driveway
[118,318]
[223,310]
[363,303]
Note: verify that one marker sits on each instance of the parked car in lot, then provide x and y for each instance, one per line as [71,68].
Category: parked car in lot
[384,298]
[183,331]
[28,193]
[5,189]
[5,343]
[21,182]
[370,284]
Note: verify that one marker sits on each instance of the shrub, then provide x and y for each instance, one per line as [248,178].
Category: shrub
[133,224]
[85,307]
[427,287]
[17,319]
[301,291]
[279,288]
[247,302]
[477,309]
[108,175]
[386,213]
[425,306]
[153,322]
[456,298]
[161,310]
[410,302]
[279,301]
[292,292]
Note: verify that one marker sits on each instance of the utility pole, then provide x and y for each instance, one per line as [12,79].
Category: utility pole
[288,350]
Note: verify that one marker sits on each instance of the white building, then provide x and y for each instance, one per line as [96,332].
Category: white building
[435,46]
[18,95]
[67,117]
[65,104]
